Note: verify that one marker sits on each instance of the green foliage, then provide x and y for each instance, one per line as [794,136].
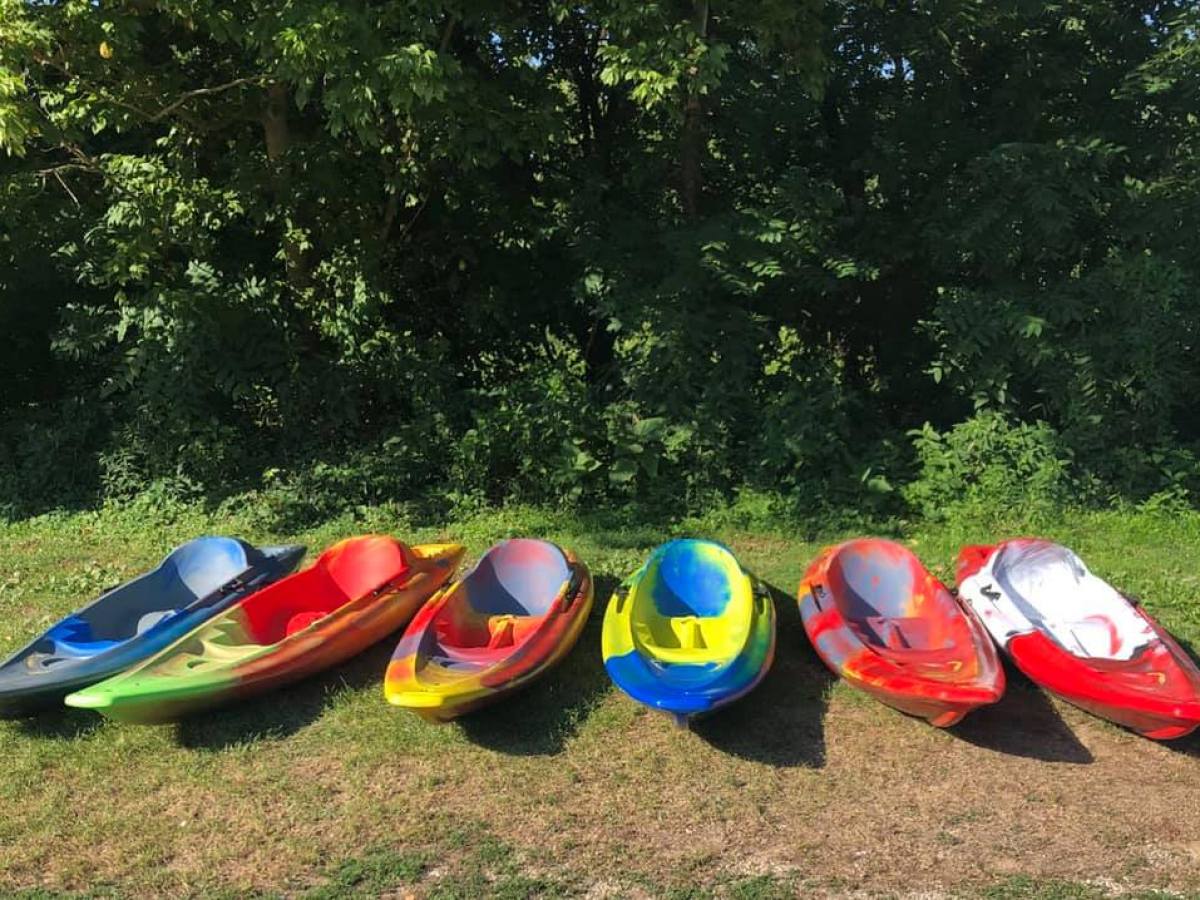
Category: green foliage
[526,438]
[652,254]
[990,467]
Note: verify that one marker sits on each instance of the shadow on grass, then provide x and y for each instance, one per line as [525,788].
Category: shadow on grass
[61,723]
[285,710]
[780,722]
[1024,723]
[1188,745]
[541,718]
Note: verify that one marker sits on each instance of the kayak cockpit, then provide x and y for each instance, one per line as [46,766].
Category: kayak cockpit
[692,605]
[189,574]
[888,601]
[1052,590]
[500,603]
[350,572]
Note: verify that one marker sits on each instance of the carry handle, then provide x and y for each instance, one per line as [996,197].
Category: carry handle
[571,591]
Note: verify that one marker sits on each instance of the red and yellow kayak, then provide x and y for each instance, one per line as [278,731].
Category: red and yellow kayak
[356,593]
[518,612]
[882,621]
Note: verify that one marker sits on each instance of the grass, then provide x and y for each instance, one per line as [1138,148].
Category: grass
[804,787]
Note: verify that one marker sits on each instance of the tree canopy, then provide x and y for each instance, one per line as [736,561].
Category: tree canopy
[572,251]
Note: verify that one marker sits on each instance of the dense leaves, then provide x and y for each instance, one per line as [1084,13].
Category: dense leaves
[657,251]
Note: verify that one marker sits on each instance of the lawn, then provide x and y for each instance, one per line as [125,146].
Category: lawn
[803,787]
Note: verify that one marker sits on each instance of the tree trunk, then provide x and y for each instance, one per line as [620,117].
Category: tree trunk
[278,139]
[692,142]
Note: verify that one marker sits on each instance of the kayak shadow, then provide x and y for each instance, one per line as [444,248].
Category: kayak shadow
[539,719]
[60,723]
[1024,723]
[780,722]
[282,712]
[1188,745]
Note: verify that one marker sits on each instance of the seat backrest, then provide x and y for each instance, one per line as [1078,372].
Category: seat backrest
[872,580]
[203,565]
[519,577]
[358,566]
[890,601]
[692,578]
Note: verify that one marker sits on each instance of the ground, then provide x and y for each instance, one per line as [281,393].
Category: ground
[805,787]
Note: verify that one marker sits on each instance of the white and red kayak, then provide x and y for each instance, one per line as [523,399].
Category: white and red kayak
[1078,637]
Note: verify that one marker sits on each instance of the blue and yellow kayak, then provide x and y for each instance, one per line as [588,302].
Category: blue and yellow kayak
[690,631]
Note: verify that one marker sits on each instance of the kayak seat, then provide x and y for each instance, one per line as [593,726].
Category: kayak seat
[73,636]
[692,579]
[682,639]
[692,605]
[876,586]
[1052,589]
[478,633]
[521,577]
[302,620]
[204,564]
[501,601]
[347,572]
[483,642]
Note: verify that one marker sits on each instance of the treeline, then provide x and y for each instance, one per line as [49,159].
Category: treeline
[885,251]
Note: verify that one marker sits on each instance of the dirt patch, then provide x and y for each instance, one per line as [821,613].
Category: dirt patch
[896,804]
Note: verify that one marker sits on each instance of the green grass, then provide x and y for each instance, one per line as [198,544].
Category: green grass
[806,786]
[1024,888]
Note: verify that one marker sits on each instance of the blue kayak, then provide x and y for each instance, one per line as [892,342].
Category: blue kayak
[135,620]
[690,631]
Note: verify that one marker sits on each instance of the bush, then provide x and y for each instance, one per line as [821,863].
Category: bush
[989,465]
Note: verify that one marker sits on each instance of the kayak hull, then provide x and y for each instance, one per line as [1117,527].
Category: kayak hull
[227,660]
[1076,636]
[138,619]
[689,632]
[881,621]
[507,622]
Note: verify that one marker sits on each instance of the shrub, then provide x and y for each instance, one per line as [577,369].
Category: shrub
[988,464]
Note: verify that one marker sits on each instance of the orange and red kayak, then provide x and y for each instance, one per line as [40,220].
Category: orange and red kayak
[882,621]
[356,593]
